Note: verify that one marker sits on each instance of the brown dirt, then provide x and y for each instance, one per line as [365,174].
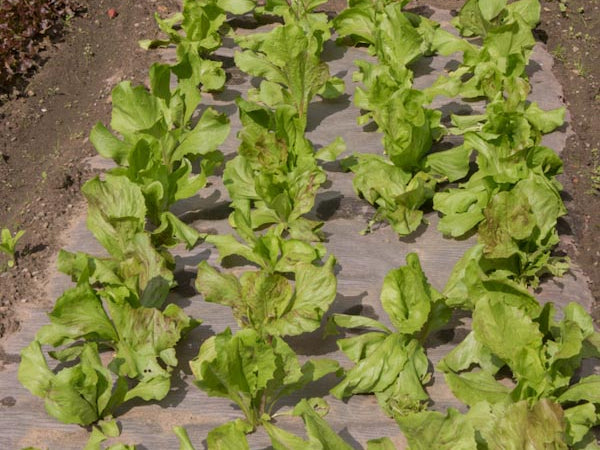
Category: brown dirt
[574,40]
[43,135]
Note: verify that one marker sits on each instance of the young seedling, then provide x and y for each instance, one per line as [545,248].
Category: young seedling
[8,243]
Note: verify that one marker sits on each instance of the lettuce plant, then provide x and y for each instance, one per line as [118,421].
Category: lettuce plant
[288,58]
[117,304]
[402,183]
[253,372]
[265,299]
[276,173]
[158,148]
[393,364]
[197,31]
[542,357]
[513,198]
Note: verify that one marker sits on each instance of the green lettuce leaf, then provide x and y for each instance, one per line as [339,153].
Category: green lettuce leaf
[79,394]
[229,436]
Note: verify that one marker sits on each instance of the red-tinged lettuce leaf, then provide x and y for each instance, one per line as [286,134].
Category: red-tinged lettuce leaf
[500,426]
[262,296]
[289,56]
[520,425]
[508,220]
[147,338]
[546,205]
[431,429]
[268,302]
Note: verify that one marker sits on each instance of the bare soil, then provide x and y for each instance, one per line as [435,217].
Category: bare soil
[44,133]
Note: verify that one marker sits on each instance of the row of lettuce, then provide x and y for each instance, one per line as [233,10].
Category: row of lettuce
[115,332]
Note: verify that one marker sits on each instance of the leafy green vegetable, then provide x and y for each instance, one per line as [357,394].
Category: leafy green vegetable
[131,284]
[143,339]
[229,436]
[319,432]
[116,217]
[275,173]
[184,439]
[393,365]
[288,60]
[513,198]
[517,370]
[400,188]
[252,372]
[267,303]
[396,194]
[80,394]
[158,147]
[103,430]
[518,425]
[496,66]
[541,354]
[478,17]
[196,31]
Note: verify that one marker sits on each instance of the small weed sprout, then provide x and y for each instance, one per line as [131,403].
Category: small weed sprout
[559,53]
[8,244]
